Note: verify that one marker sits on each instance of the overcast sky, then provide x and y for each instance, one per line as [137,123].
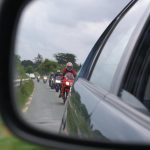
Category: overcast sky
[51,26]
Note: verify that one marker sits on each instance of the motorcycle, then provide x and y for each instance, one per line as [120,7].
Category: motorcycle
[51,82]
[44,79]
[67,83]
[58,83]
[38,78]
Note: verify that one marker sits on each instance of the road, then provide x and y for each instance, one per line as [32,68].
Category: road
[45,109]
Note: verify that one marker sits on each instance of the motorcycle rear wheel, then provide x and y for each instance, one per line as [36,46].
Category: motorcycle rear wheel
[65,97]
[57,90]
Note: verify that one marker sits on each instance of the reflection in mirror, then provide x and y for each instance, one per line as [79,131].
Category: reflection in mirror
[50,34]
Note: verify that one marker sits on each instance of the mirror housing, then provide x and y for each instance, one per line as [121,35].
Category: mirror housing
[8,26]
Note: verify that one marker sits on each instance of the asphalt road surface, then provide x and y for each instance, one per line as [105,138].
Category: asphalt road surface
[45,109]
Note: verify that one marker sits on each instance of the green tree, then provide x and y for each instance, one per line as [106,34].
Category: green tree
[63,58]
[20,71]
[27,63]
[28,66]
[19,68]
[47,66]
[37,63]
[17,59]
[38,59]
[29,69]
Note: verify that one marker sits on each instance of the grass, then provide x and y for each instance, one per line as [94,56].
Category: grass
[10,142]
[7,140]
[24,91]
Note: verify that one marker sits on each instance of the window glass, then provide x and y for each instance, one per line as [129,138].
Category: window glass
[146,99]
[133,101]
[147,91]
[114,48]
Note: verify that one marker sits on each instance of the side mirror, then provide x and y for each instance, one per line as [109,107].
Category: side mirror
[33,75]
[10,14]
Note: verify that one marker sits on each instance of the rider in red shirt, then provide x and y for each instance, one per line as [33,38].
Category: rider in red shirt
[68,68]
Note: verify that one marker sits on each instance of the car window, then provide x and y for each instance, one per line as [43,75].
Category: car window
[147,91]
[146,99]
[135,89]
[141,104]
[114,48]
[133,101]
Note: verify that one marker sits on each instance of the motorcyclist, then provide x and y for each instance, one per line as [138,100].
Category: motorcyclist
[57,80]
[52,75]
[38,78]
[58,73]
[68,68]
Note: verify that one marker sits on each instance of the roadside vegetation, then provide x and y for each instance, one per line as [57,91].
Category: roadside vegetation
[39,66]
[23,92]
[25,88]
[7,140]
[42,66]
[10,142]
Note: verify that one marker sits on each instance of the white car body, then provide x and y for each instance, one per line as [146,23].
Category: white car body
[32,76]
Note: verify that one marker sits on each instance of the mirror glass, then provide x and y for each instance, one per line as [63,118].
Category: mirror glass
[51,33]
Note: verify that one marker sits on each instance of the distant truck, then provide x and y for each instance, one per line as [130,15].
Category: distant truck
[32,76]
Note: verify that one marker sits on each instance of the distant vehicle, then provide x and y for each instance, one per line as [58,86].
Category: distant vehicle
[51,80]
[58,83]
[38,78]
[44,79]
[32,76]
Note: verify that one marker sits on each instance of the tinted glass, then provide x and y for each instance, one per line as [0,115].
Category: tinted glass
[114,48]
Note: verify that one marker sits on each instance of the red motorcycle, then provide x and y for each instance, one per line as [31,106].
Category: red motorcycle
[67,83]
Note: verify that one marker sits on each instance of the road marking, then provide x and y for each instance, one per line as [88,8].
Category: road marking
[25,109]
[27,104]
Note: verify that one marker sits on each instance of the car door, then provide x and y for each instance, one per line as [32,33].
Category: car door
[129,110]
[90,111]
[122,114]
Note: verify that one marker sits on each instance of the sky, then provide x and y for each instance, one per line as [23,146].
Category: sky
[48,27]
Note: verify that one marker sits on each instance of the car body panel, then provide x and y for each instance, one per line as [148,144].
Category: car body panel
[106,119]
[93,112]
[80,108]
[120,122]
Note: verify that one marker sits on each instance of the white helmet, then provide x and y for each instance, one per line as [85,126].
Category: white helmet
[69,66]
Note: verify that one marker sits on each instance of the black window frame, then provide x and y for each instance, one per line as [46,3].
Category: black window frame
[136,76]
[94,58]
[89,64]
[129,55]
